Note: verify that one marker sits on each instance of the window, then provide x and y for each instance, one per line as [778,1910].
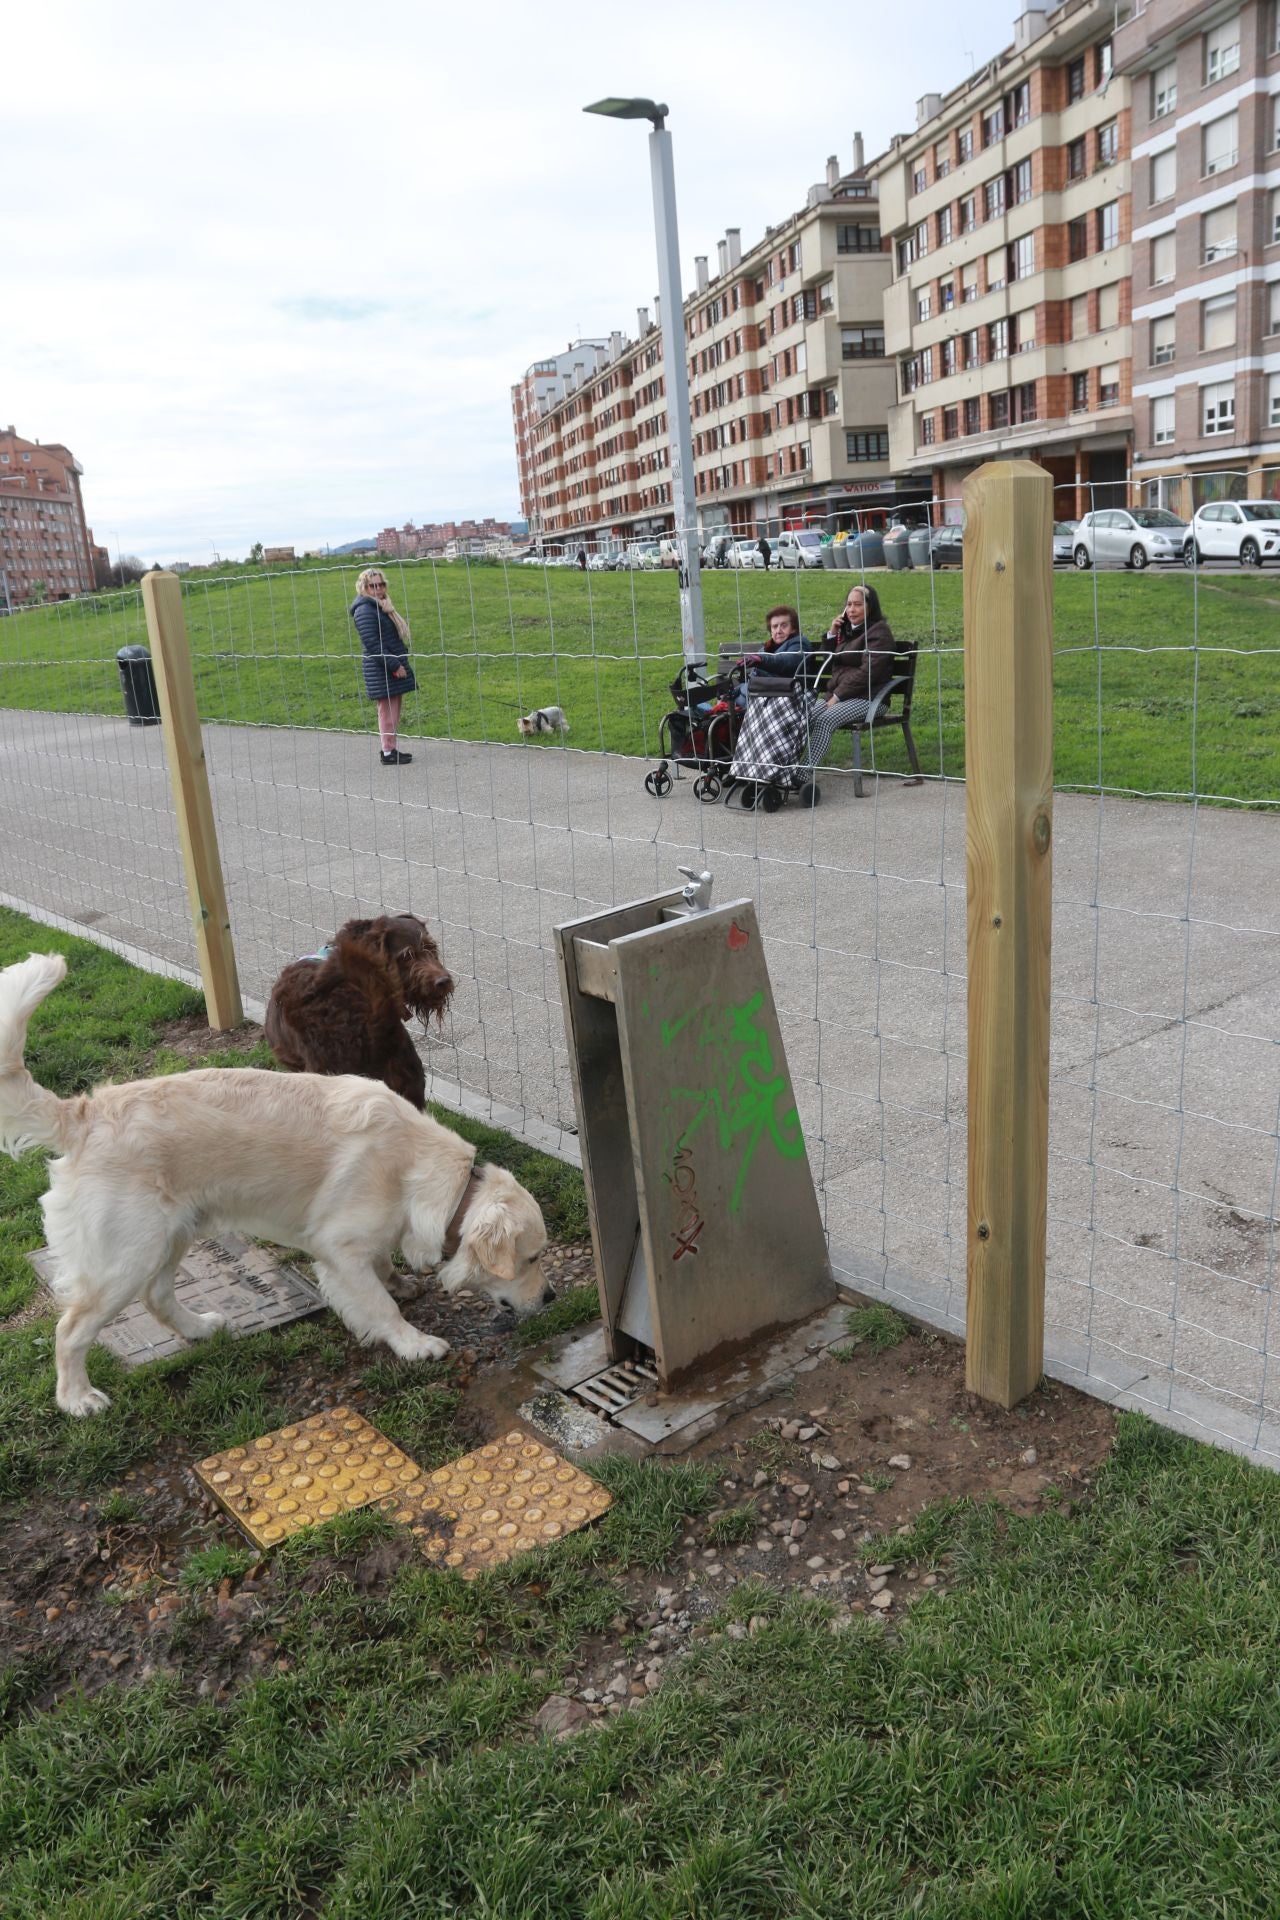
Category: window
[1222,50]
[1109,306]
[926,429]
[1108,144]
[1218,234]
[866,444]
[1273,218]
[1109,226]
[964,144]
[1103,59]
[951,423]
[1077,159]
[968,213]
[862,343]
[926,365]
[1017,105]
[1075,79]
[1218,404]
[1018,187]
[1164,175]
[1025,330]
[1109,386]
[949,361]
[1164,90]
[924,305]
[944,225]
[1162,419]
[998,340]
[851,239]
[972,349]
[1273,399]
[995,269]
[1221,144]
[919,180]
[1080,316]
[1022,257]
[1163,259]
[969,281]
[1273,308]
[1079,393]
[1218,323]
[973,416]
[1024,403]
[942,159]
[993,199]
[922,239]
[998,410]
[1078,238]
[946,295]
[993,126]
[1164,333]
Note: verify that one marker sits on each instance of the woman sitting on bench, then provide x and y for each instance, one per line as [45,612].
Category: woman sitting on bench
[865,651]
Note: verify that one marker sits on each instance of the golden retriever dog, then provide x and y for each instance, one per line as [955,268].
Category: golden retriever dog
[339,1167]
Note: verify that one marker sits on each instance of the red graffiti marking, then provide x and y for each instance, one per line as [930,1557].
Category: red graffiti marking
[738,937]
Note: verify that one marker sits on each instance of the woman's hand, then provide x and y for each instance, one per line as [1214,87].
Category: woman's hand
[399,673]
[833,701]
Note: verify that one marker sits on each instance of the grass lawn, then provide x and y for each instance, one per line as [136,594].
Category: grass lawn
[1085,1725]
[1164,683]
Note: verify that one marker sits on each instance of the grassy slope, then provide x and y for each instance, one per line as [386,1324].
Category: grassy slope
[1189,691]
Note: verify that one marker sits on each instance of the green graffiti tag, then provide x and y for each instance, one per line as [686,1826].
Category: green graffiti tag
[748,1098]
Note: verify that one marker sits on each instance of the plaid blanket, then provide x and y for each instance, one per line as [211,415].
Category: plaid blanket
[774,736]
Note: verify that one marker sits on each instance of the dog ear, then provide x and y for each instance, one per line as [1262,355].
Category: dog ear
[489,1237]
[402,934]
[354,930]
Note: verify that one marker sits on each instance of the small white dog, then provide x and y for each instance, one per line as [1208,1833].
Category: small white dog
[542,720]
[339,1167]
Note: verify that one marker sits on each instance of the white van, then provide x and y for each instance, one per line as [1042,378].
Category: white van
[797,547]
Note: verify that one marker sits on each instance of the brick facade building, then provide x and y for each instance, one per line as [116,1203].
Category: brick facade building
[46,549]
[1205,82]
[1009,316]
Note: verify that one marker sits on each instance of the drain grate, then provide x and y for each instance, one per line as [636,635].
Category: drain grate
[609,1392]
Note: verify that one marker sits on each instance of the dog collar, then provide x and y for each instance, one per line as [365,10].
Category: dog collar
[453,1232]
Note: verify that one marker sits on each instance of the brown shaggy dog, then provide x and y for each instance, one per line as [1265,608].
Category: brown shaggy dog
[344,1012]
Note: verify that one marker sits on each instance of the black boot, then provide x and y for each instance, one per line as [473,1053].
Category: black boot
[395,759]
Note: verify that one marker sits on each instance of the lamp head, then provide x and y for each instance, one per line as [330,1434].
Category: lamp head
[612,109]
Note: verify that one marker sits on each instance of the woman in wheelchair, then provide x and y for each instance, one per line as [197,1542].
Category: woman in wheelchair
[785,647]
[863,660]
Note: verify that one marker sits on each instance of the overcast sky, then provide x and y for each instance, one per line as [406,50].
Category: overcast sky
[278,265]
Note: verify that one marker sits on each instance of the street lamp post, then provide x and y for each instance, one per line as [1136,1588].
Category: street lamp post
[675,366]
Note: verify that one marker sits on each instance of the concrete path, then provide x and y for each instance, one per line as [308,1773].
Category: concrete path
[1166,991]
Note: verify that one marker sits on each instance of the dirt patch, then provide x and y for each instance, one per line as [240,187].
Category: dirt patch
[192,1038]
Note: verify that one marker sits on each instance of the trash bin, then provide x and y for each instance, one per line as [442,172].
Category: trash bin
[866,550]
[840,548]
[920,547]
[828,556]
[897,554]
[138,684]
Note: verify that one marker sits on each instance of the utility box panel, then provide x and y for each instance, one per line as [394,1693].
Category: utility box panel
[704,1217]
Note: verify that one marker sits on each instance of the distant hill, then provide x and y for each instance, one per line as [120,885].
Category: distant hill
[357,546]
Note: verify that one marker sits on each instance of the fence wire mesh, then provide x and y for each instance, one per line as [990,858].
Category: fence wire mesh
[1164,1091]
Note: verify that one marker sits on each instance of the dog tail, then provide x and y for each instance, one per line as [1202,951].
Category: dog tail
[29,1115]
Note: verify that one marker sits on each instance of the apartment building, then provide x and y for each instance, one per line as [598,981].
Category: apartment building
[46,549]
[543,383]
[437,536]
[789,389]
[1205,82]
[1008,318]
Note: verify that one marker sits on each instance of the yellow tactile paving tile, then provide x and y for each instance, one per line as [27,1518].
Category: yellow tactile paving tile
[501,1500]
[329,1464]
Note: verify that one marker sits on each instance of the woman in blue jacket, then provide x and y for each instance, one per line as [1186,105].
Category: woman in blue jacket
[384,637]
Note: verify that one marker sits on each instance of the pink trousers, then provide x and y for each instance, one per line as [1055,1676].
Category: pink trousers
[389,721]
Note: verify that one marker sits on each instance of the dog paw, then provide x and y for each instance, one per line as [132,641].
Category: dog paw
[411,1345]
[84,1402]
[207,1324]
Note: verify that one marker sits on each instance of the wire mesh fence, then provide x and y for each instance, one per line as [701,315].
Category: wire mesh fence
[1164,1089]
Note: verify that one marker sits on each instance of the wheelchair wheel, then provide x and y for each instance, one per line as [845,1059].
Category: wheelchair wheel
[707,787]
[658,782]
[810,794]
[771,799]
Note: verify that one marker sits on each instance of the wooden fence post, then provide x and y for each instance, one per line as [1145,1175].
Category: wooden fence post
[1008,708]
[189,779]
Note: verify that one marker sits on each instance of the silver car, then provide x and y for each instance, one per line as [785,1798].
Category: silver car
[1064,540]
[746,553]
[1128,537]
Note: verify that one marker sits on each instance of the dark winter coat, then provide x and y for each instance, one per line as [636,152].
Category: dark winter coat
[781,658]
[864,659]
[384,650]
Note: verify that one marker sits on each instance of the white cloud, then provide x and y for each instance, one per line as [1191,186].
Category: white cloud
[278,266]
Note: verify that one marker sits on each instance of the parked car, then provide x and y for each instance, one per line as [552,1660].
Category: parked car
[716,551]
[746,553]
[1134,537]
[643,556]
[1243,530]
[946,548]
[797,547]
[599,562]
[1064,541]
[669,551]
